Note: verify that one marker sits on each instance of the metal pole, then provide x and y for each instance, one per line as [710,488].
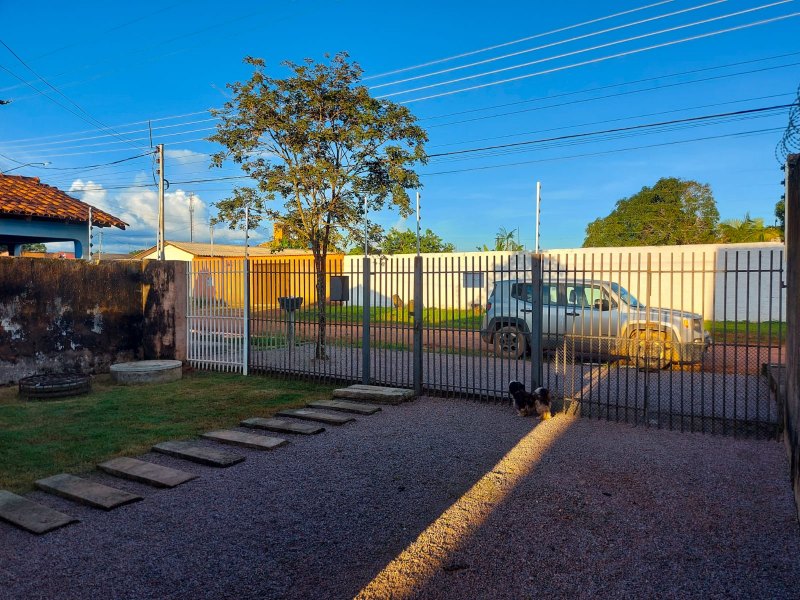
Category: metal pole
[365,304]
[366,230]
[100,252]
[418,220]
[538,214]
[90,234]
[211,232]
[160,150]
[246,312]
[191,217]
[537,374]
[417,368]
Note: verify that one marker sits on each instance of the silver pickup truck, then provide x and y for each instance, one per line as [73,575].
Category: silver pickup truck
[599,319]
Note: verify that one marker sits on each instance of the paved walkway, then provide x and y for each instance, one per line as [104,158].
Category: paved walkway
[438,499]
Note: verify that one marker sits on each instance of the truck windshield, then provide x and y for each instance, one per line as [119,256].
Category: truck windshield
[626,296]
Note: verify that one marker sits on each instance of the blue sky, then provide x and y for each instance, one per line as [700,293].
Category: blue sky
[119,65]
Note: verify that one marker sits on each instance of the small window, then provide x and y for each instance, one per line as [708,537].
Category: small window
[473,279]
[522,291]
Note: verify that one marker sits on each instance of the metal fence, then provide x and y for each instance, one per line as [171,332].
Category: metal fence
[662,339]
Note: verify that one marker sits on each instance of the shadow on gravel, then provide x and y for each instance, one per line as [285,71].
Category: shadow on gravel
[590,509]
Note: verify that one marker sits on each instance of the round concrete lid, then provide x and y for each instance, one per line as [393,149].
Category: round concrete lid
[146,366]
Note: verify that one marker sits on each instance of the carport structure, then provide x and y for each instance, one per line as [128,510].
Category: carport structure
[33,212]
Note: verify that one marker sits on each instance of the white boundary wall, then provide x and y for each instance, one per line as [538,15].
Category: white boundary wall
[733,282]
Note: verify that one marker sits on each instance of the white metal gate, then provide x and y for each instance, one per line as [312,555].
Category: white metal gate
[215,315]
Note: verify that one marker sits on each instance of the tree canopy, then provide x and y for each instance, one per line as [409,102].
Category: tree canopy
[405,242]
[672,212]
[320,144]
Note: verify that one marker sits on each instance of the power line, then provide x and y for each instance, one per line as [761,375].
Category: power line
[550,45]
[92,119]
[601,59]
[518,41]
[600,153]
[617,129]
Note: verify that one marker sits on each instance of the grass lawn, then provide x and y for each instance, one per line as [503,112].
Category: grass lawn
[38,439]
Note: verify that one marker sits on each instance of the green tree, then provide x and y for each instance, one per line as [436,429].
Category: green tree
[672,212]
[503,241]
[34,248]
[740,231]
[780,216]
[318,142]
[405,242]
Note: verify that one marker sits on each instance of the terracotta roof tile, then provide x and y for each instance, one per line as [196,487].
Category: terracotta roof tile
[28,197]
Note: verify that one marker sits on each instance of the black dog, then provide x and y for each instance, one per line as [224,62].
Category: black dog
[526,403]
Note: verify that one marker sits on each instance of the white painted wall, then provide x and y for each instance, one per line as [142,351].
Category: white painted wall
[720,281]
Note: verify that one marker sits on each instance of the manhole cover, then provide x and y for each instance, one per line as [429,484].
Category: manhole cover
[45,387]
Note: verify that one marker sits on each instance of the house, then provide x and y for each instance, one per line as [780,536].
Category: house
[33,212]
[217,271]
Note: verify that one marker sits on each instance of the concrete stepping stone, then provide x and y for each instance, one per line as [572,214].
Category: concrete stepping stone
[31,516]
[145,472]
[282,426]
[359,408]
[247,440]
[203,455]
[85,491]
[375,393]
[309,414]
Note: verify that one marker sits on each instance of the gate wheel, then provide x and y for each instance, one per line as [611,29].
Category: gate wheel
[651,350]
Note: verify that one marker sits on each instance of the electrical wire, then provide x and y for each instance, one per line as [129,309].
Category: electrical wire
[91,119]
[518,41]
[600,59]
[553,44]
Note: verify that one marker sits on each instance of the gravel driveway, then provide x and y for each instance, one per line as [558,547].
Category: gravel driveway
[439,498]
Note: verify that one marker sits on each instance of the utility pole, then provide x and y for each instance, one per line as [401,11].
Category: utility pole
[161,166]
[191,217]
[100,253]
[211,233]
[90,233]
[538,214]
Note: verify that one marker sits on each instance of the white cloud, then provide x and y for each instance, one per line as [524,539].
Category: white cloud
[138,207]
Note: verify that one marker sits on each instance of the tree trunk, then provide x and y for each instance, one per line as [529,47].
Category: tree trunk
[320,351]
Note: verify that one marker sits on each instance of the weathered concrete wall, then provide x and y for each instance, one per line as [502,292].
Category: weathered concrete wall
[792,403]
[164,306]
[74,316]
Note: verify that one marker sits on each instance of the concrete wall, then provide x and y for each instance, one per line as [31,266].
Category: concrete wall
[68,316]
[791,404]
[733,282]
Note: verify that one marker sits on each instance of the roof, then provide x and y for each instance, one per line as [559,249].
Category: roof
[225,250]
[28,197]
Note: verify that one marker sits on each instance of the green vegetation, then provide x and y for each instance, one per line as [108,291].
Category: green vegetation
[451,318]
[38,439]
[768,333]
[674,211]
[503,242]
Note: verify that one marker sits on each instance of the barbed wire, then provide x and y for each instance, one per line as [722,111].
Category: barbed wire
[790,142]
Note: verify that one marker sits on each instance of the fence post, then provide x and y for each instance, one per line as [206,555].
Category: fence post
[418,325]
[246,336]
[537,374]
[365,304]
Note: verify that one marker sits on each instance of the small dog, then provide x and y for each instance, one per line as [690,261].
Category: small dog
[526,403]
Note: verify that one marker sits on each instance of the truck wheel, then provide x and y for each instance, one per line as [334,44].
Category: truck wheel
[510,342]
[651,350]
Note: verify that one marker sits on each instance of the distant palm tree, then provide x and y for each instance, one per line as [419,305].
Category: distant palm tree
[503,242]
[741,231]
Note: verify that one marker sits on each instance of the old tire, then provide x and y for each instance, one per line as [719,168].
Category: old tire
[651,350]
[510,342]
